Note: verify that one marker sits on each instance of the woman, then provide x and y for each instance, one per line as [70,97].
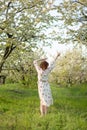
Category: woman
[43,69]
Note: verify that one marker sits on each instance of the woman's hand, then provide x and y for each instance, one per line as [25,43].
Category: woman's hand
[58,54]
[39,60]
[55,57]
[43,59]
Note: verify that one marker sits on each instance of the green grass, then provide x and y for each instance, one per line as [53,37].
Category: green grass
[19,109]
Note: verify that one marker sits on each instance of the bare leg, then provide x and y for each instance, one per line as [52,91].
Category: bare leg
[46,108]
[43,109]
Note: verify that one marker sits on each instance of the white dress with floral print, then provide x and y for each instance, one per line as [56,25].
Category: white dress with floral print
[43,85]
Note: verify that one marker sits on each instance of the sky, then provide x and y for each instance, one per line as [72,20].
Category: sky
[59,30]
[56,47]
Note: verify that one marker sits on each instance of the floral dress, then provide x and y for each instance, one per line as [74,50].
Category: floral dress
[43,85]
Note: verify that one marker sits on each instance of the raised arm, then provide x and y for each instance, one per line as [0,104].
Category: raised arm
[39,60]
[36,63]
[55,58]
[58,54]
[53,62]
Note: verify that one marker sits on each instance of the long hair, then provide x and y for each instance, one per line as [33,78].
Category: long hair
[44,65]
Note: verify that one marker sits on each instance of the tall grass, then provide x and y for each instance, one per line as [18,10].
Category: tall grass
[19,109]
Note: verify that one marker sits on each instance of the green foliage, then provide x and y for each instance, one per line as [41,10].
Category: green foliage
[19,26]
[71,68]
[23,25]
[74,16]
[19,108]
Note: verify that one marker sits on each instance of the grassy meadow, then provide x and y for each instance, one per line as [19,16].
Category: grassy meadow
[19,108]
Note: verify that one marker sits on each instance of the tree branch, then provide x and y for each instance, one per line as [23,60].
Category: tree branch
[77,1]
[8,6]
[8,51]
[25,8]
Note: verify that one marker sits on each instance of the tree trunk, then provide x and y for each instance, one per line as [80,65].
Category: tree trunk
[1,65]
[8,51]
[2,79]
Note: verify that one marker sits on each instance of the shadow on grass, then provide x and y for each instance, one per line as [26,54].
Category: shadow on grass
[21,93]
